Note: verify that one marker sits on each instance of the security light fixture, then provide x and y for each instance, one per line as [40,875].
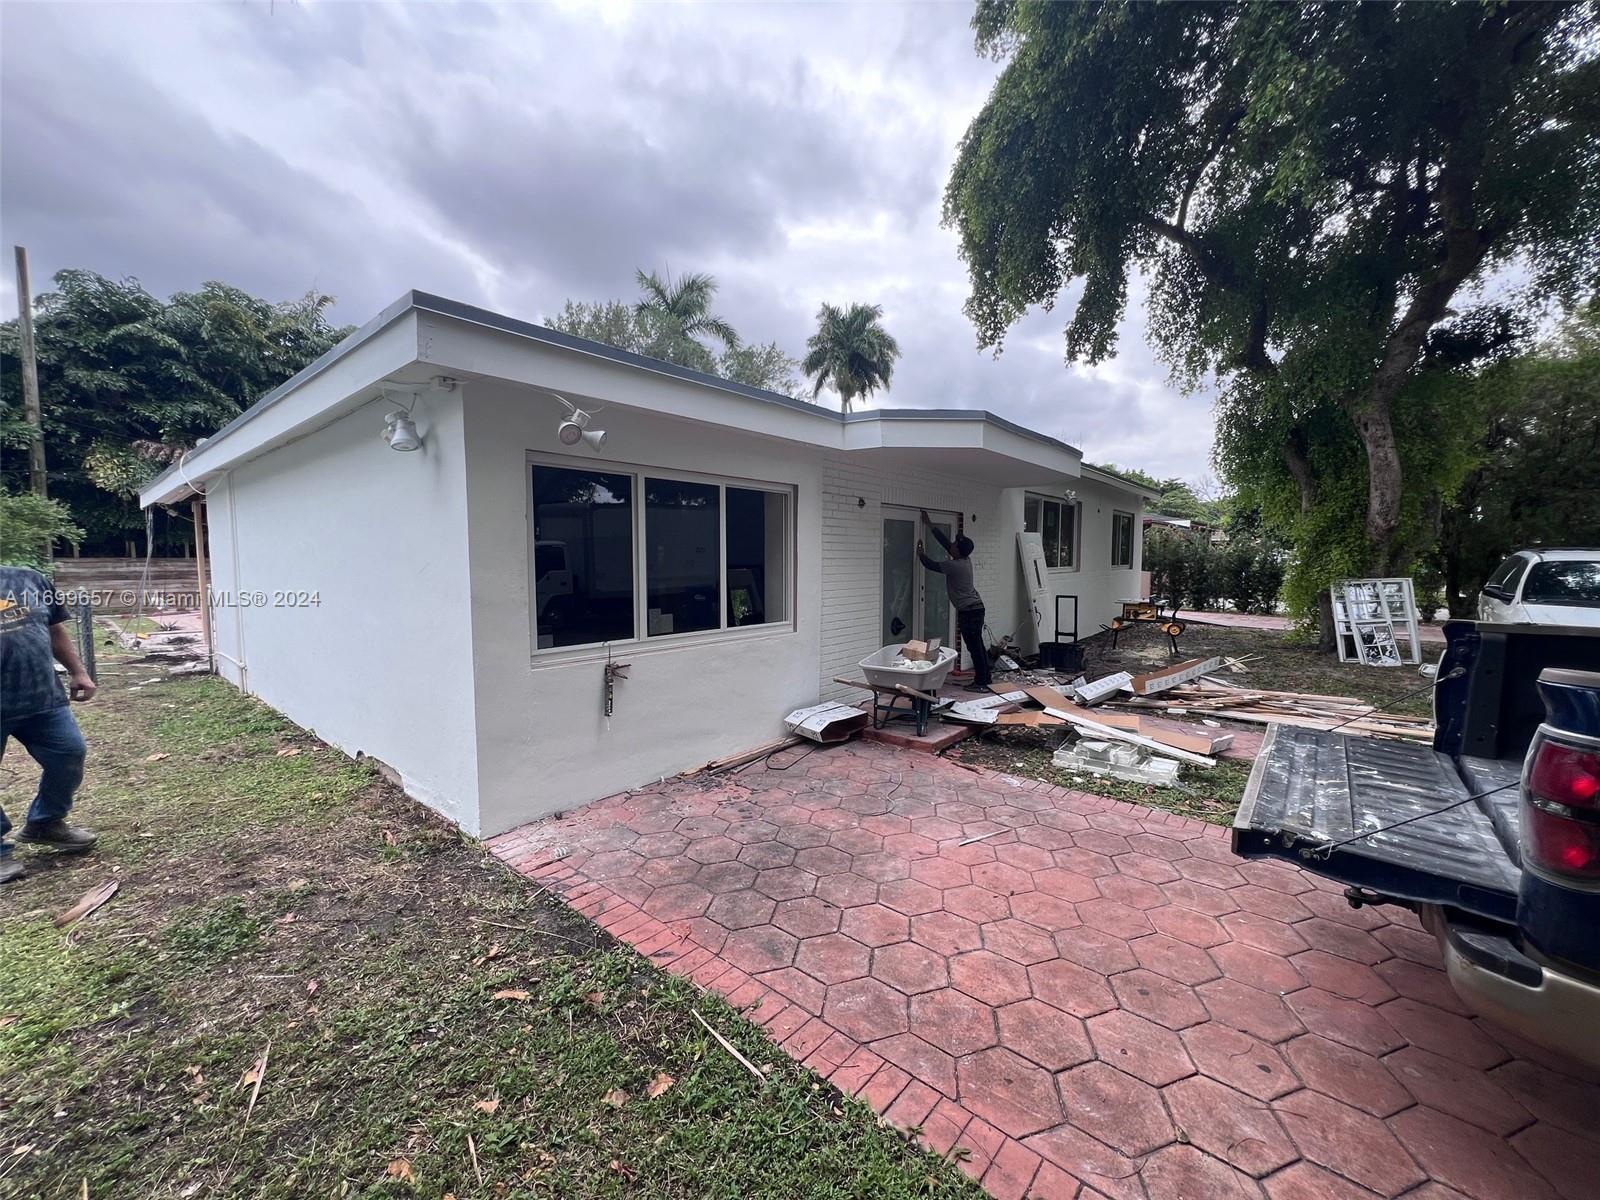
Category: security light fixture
[400,431]
[575,428]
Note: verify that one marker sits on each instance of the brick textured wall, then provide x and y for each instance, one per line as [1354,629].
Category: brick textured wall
[852,553]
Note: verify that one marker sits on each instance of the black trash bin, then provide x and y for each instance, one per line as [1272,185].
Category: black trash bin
[1061,656]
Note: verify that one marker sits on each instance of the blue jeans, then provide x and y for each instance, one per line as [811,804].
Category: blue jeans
[53,739]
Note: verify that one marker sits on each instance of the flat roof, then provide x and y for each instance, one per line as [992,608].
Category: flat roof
[425,302]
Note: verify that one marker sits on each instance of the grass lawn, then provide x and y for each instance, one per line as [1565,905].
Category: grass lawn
[1276,661]
[430,1025]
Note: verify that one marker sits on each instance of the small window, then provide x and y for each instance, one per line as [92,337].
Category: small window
[583,556]
[758,555]
[683,556]
[1055,521]
[1121,539]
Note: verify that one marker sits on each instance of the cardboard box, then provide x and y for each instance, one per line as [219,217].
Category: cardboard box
[827,723]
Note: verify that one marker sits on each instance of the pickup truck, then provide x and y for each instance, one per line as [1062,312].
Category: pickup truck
[1491,834]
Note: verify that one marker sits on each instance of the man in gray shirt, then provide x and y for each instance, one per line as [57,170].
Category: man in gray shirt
[964,598]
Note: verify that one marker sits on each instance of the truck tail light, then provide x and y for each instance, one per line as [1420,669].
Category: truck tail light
[1561,809]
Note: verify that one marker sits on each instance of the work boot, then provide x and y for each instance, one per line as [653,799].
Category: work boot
[12,868]
[58,835]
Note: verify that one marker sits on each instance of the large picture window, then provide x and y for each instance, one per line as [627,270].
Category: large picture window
[690,555]
[1121,539]
[1056,523]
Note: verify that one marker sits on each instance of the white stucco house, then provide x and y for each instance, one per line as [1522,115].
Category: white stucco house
[451,611]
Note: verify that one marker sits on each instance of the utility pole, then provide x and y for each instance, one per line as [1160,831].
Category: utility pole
[30,376]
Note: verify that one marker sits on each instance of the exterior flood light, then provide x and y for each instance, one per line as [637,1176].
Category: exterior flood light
[575,427]
[400,431]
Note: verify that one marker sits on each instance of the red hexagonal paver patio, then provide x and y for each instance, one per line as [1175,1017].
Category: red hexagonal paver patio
[1101,1001]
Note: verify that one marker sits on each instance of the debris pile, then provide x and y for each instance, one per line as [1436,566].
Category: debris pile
[1210,697]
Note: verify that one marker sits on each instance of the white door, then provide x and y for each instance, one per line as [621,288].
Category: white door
[915,602]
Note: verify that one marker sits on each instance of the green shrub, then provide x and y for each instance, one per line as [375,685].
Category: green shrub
[1247,573]
[29,525]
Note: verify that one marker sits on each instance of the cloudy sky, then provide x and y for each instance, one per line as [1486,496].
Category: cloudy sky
[518,155]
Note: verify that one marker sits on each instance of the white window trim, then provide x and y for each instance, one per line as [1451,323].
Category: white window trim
[1132,539]
[1075,507]
[642,642]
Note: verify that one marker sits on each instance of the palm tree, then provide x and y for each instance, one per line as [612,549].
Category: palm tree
[851,350]
[678,312]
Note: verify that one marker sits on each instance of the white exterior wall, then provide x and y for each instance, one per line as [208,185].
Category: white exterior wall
[544,744]
[381,664]
[852,554]
[1100,587]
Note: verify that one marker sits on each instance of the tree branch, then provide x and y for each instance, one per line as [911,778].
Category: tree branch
[1294,457]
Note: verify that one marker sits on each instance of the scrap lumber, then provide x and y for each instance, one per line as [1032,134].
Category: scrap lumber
[1138,739]
[1264,706]
[88,902]
[1027,718]
[1170,677]
[1196,741]
[749,756]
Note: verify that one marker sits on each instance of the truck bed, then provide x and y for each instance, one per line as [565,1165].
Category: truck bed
[1311,789]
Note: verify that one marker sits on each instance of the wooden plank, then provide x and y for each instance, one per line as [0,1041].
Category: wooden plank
[1418,732]
[748,756]
[1200,741]
[1029,718]
[1045,695]
[1126,721]
[1137,739]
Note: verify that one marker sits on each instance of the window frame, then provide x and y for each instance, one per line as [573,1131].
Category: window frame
[1115,565]
[1075,508]
[641,640]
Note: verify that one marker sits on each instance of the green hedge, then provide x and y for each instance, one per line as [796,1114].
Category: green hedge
[1245,575]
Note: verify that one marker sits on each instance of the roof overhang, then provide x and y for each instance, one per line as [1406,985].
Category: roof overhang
[421,337]
[967,442]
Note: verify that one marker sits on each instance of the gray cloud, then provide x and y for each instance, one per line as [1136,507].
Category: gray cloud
[516,156]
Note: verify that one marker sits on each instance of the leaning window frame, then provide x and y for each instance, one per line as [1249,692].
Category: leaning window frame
[641,641]
[1075,507]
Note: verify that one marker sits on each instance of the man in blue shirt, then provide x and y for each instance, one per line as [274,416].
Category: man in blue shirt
[33,709]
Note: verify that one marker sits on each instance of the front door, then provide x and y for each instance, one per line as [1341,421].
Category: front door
[915,603]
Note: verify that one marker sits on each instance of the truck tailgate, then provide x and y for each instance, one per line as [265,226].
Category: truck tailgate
[1311,789]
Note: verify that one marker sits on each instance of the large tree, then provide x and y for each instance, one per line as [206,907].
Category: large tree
[1308,191]
[671,321]
[128,381]
[1536,475]
[851,351]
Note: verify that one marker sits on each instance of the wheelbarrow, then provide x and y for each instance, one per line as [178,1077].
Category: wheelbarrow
[903,693]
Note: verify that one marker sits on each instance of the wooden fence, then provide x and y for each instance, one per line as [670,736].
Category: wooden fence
[114,583]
